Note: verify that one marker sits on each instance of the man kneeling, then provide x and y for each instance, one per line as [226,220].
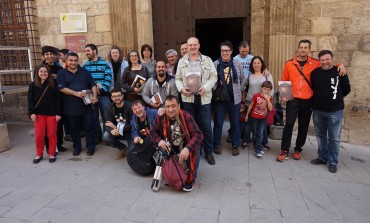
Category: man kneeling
[179,125]
[118,126]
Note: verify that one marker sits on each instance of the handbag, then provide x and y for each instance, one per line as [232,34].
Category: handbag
[140,158]
[270,117]
[173,172]
[221,93]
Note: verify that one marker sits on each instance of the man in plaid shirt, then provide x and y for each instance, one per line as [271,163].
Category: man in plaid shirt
[179,125]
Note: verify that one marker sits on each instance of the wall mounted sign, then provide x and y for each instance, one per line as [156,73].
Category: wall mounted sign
[75,43]
[73,22]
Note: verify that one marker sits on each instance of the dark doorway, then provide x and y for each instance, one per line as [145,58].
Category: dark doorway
[211,32]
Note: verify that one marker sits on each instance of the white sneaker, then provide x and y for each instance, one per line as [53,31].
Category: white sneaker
[259,154]
[262,152]
[244,146]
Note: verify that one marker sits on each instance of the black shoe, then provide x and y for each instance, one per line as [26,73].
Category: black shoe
[90,152]
[36,161]
[68,138]
[210,159]
[188,187]
[61,148]
[217,150]
[332,168]
[318,161]
[76,153]
[52,160]
[235,151]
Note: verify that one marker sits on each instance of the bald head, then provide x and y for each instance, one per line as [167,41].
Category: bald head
[193,46]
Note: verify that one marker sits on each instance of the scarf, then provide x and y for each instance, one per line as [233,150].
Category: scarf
[167,127]
[222,65]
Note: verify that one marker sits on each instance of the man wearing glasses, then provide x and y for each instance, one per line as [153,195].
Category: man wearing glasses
[118,124]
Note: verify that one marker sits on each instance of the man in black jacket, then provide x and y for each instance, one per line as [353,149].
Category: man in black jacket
[118,125]
[329,89]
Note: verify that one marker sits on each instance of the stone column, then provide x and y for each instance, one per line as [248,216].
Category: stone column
[282,43]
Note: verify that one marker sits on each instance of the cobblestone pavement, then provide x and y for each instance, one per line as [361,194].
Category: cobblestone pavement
[237,189]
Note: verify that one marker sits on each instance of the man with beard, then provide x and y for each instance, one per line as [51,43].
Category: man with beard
[118,124]
[162,85]
[172,59]
[298,72]
[329,89]
[49,54]
[170,126]
[102,75]
[73,82]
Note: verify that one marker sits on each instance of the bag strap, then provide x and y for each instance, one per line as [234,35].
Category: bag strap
[38,102]
[304,77]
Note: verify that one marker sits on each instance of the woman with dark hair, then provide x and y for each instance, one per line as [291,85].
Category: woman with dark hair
[44,109]
[147,61]
[117,63]
[134,70]
[255,80]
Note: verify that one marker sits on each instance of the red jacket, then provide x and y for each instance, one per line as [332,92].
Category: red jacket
[299,85]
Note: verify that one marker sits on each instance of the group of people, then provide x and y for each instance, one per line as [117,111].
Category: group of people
[171,103]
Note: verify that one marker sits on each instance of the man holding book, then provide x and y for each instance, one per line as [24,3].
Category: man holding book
[158,87]
[196,75]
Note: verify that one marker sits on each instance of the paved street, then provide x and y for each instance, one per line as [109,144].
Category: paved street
[237,189]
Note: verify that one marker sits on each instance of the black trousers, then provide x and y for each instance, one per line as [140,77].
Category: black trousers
[300,108]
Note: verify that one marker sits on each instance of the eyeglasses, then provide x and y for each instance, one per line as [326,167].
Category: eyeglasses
[225,51]
[133,56]
[116,96]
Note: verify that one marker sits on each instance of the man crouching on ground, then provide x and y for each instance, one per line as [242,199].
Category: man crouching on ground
[174,123]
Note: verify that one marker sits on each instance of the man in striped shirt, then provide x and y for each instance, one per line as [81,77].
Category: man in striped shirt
[102,75]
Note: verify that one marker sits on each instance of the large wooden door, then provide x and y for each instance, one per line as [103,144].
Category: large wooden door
[175,20]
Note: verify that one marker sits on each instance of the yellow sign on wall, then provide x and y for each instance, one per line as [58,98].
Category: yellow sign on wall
[73,22]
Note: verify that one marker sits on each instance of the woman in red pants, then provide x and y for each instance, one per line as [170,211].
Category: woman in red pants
[44,109]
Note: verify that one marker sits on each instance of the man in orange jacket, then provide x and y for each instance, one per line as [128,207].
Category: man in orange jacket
[300,106]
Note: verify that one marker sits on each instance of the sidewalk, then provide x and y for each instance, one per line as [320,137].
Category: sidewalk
[237,189]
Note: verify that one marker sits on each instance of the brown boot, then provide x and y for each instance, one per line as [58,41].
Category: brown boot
[217,150]
[235,151]
[121,153]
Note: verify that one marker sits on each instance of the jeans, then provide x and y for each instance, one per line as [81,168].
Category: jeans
[74,123]
[258,129]
[102,105]
[202,116]
[219,118]
[328,127]
[300,108]
[115,140]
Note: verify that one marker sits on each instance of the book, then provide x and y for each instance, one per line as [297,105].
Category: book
[193,81]
[157,99]
[88,97]
[138,82]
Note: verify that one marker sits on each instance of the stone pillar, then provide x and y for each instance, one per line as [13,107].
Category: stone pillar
[4,138]
[282,43]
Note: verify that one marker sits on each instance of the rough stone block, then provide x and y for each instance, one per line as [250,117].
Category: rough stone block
[304,27]
[74,8]
[4,138]
[358,25]
[311,10]
[102,23]
[353,7]
[321,25]
[104,51]
[96,38]
[342,57]
[332,9]
[348,42]
[107,36]
[366,43]
[46,39]
[340,26]
[360,59]
[328,43]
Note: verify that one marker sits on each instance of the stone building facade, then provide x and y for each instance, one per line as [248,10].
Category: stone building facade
[276,27]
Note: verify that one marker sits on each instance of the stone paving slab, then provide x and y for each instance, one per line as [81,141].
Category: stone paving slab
[237,189]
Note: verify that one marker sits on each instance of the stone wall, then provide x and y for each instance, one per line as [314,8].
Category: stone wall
[338,25]
[98,23]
